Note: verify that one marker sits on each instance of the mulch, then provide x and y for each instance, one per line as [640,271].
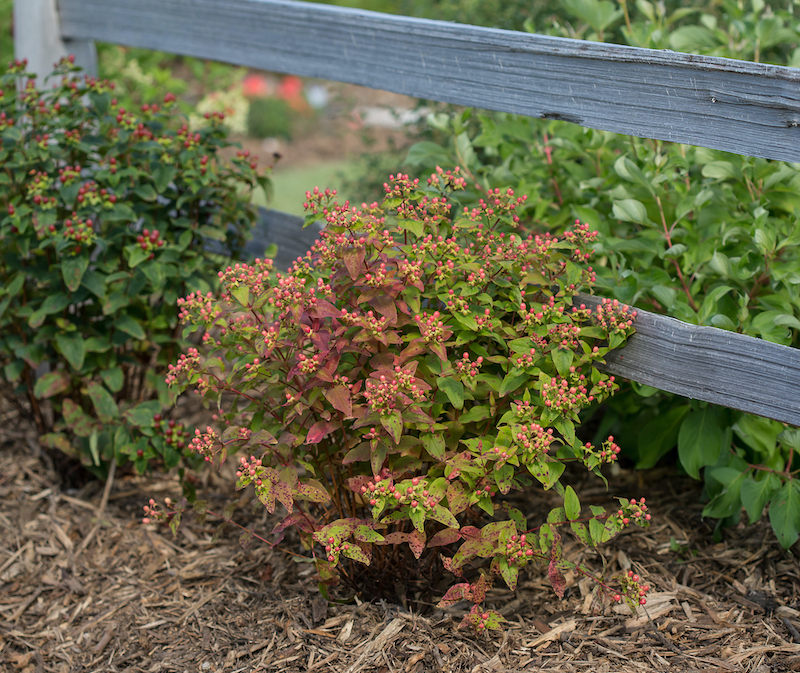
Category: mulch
[84,586]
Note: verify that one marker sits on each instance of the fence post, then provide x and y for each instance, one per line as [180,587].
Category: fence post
[37,37]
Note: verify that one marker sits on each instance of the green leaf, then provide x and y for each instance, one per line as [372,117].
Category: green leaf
[393,424]
[76,419]
[51,384]
[73,348]
[511,382]
[701,440]
[241,294]
[163,175]
[756,494]
[572,505]
[453,389]
[142,414]
[103,402]
[146,192]
[54,303]
[659,435]
[434,444]
[72,269]
[630,210]
[476,413]
[562,359]
[784,514]
[129,325]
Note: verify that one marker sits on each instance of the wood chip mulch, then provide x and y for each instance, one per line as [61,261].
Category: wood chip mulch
[84,586]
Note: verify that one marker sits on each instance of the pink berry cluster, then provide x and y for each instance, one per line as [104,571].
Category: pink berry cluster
[249,470]
[496,204]
[153,513]
[469,369]
[533,440]
[432,328]
[255,276]
[633,590]
[204,442]
[79,231]
[38,183]
[386,392]
[187,364]
[582,238]
[615,317]
[447,180]
[632,511]
[518,551]
[198,308]
[566,394]
[607,454]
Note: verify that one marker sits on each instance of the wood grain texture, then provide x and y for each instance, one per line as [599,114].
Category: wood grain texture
[710,364]
[724,104]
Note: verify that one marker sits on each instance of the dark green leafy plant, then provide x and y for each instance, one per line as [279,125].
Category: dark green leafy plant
[109,215]
[418,364]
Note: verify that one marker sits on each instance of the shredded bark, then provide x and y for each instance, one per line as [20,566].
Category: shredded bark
[84,586]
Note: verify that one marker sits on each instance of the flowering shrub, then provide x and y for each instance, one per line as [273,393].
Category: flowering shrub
[412,369]
[106,219]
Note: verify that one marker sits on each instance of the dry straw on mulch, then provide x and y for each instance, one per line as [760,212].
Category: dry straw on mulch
[86,587]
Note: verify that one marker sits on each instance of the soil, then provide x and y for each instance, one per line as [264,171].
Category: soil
[85,586]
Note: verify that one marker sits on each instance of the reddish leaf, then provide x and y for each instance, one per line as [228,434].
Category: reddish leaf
[384,305]
[51,384]
[321,429]
[397,537]
[556,578]
[439,350]
[324,309]
[456,593]
[292,520]
[470,533]
[355,483]
[443,537]
[313,491]
[339,397]
[416,541]
[77,421]
[354,260]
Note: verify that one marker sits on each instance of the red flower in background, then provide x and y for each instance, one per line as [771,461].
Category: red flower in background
[255,86]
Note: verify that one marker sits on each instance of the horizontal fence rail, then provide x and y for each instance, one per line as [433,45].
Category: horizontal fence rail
[710,364]
[702,363]
[724,104]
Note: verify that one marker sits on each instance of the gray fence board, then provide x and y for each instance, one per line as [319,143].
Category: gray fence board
[710,364]
[736,106]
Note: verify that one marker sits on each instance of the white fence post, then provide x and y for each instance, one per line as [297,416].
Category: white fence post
[37,37]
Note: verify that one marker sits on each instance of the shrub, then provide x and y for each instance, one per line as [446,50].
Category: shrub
[107,218]
[408,373]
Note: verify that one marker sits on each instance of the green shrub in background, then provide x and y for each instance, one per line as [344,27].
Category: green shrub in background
[704,236]
[270,118]
[109,216]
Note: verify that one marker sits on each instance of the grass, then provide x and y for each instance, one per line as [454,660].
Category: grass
[290,185]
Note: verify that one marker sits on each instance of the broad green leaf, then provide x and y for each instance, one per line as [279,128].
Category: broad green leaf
[453,389]
[51,384]
[756,494]
[142,414]
[562,358]
[241,294]
[125,323]
[630,210]
[784,514]
[114,378]
[701,439]
[103,402]
[72,269]
[73,348]
[572,505]
[434,444]
[393,424]
[659,435]
[512,381]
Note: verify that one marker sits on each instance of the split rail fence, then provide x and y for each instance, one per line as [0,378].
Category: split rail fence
[735,106]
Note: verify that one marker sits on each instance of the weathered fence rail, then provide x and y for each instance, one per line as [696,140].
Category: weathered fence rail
[723,104]
[741,107]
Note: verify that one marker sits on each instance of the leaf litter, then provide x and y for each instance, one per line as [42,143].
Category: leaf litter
[84,586]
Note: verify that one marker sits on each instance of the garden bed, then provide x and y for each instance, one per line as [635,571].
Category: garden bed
[91,590]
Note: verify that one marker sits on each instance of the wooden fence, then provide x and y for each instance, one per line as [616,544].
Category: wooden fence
[724,104]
